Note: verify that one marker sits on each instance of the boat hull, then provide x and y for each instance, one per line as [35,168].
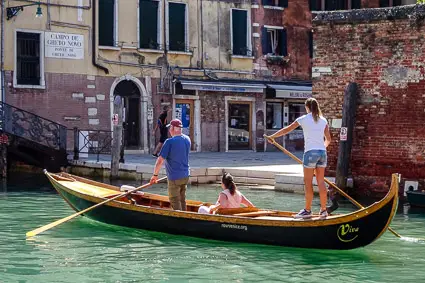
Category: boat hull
[416,198]
[351,231]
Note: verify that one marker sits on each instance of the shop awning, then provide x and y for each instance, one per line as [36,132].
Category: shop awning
[222,86]
[291,91]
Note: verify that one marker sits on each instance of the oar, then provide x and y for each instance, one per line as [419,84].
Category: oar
[60,221]
[338,189]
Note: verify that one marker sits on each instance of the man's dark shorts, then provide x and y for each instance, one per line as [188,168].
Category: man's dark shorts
[162,139]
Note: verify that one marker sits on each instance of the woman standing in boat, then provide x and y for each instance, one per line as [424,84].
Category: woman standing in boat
[316,139]
[230,197]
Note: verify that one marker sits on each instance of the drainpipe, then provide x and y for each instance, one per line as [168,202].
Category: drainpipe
[2,52]
[94,48]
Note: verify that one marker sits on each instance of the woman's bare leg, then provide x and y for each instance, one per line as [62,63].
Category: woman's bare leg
[320,177]
[308,185]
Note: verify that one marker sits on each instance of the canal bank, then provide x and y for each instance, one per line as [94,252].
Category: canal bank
[270,170]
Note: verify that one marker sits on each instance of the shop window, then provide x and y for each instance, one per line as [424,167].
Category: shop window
[240,32]
[295,110]
[148,24]
[239,130]
[107,22]
[274,41]
[276,3]
[177,33]
[28,58]
[274,115]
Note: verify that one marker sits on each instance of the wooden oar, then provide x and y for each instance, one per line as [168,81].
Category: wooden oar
[60,221]
[335,187]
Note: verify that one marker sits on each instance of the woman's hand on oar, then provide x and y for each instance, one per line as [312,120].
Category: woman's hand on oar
[60,221]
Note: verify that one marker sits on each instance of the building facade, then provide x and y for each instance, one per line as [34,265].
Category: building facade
[231,70]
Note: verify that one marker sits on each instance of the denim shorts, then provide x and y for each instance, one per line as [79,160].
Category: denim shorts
[315,158]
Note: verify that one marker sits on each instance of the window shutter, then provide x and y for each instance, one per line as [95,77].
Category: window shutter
[264,40]
[177,26]
[283,43]
[356,4]
[148,24]
[240,32]
[283,3]
[266,2]
[106,22]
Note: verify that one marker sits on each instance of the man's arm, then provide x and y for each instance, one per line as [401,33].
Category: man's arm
[158,165]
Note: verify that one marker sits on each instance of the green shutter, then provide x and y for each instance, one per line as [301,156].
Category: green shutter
[283,43]
[177,27]
[106,22]
[240,32]
[148,24]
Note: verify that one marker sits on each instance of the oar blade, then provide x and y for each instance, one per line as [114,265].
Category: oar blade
[50,225]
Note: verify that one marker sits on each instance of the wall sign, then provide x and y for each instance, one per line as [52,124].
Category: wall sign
[343,134]
[64,45]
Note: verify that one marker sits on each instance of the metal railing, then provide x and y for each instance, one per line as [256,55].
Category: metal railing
[30,126]
[91,142]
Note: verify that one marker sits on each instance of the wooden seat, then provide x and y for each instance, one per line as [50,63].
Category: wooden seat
[256,213]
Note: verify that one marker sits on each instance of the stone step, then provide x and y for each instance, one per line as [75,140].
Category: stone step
[250,180]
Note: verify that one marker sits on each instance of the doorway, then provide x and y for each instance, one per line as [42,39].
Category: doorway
[130,93]
[185,111]
[239,126]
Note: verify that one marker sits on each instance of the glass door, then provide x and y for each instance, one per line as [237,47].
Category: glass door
[239,126]
[294,141]
[185,111]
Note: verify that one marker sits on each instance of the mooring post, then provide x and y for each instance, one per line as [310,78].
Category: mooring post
[3,156]
[117,136]
[76,144]
[346,135]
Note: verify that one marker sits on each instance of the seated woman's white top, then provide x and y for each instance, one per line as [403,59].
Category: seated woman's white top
[228,201]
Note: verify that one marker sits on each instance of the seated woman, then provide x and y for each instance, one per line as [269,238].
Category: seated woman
[230,197]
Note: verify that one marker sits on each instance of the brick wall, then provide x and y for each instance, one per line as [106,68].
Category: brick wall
[297,21]
[382,51]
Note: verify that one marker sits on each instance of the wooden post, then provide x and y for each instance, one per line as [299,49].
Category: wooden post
[117,136]
[76,144]
[3,160]
[346,135]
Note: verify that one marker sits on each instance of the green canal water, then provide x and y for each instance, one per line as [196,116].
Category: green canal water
[87,251]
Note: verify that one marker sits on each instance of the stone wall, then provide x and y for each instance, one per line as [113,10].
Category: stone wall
[382,51]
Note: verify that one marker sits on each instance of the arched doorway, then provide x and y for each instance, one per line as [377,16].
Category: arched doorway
[130,93]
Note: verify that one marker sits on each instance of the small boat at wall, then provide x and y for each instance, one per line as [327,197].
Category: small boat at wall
[152,212]
[416,198]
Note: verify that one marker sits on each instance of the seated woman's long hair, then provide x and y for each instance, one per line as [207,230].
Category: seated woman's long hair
[229,183]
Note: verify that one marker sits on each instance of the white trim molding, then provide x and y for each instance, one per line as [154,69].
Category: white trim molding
[42,84]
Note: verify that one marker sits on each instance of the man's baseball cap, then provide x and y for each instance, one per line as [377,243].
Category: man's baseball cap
[175,123]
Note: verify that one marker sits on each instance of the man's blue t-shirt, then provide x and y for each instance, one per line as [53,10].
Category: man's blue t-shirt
[175,151]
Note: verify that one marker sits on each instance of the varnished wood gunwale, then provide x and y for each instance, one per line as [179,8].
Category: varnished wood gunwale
[333,220]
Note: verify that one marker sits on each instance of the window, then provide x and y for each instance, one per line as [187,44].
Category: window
[390,3]
[277,3]
[241,42]
[29,59]
[274,41]
[331,5]
[149,31]
[274,115]
[176,34]
[107,23]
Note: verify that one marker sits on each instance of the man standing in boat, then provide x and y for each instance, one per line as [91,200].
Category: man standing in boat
[175,153]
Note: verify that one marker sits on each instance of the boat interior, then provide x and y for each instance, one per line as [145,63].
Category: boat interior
[140,198]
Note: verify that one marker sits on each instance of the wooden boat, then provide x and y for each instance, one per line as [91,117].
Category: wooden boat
[152,212]
[416,198]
